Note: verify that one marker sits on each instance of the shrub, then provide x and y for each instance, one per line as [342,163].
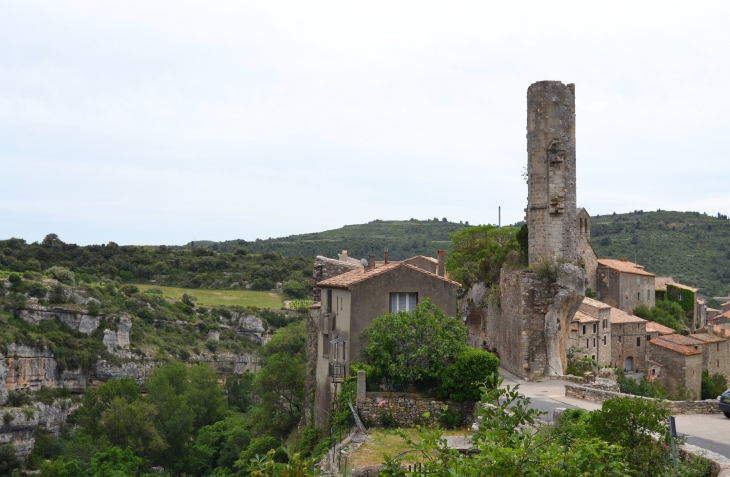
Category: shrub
[712,386]
[154,291]
[386,420]
[62,274]
[295,288]
[18,398]
[450,418]
[37,290]
[7,418]
[462,380]
[33,265]
[129,290]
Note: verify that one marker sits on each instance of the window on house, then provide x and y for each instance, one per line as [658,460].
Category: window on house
[605,324]
[638,296]
[648,337]
[638,341]
[598,295]
[403,302]
[604,340]
[586,343]
[325,345]
[593,357]
[648,295]
[328,309]
[638,280]
[584,329]
[595,327]
[619,338]
[594,342]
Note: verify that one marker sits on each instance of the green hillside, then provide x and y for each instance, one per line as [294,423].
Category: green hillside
[403,239]
[692,248]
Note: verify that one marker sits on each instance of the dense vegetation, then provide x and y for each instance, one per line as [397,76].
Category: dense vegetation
[692,248]
[665,312]
[185,423]
[402,238]
[199,268]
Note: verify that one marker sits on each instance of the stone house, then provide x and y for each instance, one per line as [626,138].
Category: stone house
[590,331]
[681,362]
[628,341]
[352,300]
[660,287]
[624,285]
[689,299]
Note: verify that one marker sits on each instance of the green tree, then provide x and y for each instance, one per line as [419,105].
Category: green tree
[632,423]
[464,379]
[204,396]
[97,401]
[419,345]
[480,252]
[239,391]
[280,386]
[9,461]
[713,386]
[219,445]
[114,462]
[131,425]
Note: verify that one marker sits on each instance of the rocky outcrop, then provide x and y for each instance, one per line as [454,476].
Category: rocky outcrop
[79,320]
[18,426]
[3,379]
[567,298]
[252,327]
[30,368]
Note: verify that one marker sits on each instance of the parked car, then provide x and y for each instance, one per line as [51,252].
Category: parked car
[724,402]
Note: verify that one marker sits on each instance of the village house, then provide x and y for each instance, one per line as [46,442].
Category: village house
[628,341]
[590,331]
[350,301]
[681,362]
[623,284]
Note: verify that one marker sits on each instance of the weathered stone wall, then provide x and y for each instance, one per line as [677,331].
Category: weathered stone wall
[678,370]
[623,345]
[551,162]
[587,254]
[708,406]
[408,409]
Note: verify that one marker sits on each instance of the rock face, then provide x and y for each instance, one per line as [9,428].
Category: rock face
[567,298]
[30,368]
[77,319]
[3,379]
[18,426]
[253,327]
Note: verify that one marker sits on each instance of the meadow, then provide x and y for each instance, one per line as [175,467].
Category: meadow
[210,298]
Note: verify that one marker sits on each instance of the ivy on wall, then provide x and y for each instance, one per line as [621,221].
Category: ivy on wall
[686,298]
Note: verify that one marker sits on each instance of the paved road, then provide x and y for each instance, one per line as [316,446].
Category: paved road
[709,431]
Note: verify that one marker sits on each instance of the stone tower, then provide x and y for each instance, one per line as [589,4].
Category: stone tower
[551,180]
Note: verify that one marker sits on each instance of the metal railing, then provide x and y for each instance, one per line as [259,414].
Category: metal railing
[337,371]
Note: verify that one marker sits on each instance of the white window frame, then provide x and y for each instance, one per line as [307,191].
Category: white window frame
[403,301]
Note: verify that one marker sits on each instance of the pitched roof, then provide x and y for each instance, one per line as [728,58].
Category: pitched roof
[678,348]
[723,329]
[689,340]
[595,303]
[354,277]
[683,287]
[620,317]
[660,283]
[624,266]
[708,337]
[654,327]
[583,317]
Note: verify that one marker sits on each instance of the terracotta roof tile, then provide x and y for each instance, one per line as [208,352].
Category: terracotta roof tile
[708,338]
[620,317]
[626,267]
[678,348]
[583,317]
[654,327]
[595,303]
[723,329]
[360,275]
[683,287]
[682,340]
[660,283]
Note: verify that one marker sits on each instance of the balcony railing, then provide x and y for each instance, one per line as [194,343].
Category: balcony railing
[337,371]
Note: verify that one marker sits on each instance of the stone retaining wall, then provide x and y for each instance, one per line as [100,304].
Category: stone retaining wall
[408,408]
[708,406]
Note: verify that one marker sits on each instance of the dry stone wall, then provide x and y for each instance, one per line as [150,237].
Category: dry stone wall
[708,406]
[408,409]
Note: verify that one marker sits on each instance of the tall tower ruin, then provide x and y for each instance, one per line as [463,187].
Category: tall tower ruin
[551,179]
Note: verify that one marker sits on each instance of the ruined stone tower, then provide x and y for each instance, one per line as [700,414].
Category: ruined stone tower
[551,180]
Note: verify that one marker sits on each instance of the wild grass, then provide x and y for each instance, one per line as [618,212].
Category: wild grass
[381,441]
[223,297]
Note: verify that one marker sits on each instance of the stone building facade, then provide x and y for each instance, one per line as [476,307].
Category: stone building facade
[624,285]
[584,249]
[551,171]
[628,341]
[681,364]
[590,332]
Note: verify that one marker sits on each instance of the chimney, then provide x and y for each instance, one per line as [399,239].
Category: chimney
[371,261]
[343,256]
[440,268]
[710,328]
[386,255]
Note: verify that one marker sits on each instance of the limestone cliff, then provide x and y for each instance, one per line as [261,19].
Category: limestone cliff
[567,297]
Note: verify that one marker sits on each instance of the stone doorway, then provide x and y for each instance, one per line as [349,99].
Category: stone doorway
[629,364]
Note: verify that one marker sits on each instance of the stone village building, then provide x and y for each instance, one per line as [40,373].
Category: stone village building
[351,296]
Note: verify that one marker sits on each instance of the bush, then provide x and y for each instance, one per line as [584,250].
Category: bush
[386,420]
[18,398]
[62,274]
[154,291]
[295,288]
[712,386]
[37,290]
[451,419]
[462,380]
[129,290]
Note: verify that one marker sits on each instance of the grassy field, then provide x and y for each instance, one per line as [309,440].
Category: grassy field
[223,297]
[380,442]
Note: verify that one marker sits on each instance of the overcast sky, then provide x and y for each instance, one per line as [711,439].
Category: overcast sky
[163,122]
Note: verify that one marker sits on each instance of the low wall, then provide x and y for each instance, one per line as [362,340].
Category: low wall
[708,406]
[408,409]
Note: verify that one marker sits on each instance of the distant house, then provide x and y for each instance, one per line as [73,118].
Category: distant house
[628,341]
[681,361]
[624,285]
[350,301]
[590,331]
